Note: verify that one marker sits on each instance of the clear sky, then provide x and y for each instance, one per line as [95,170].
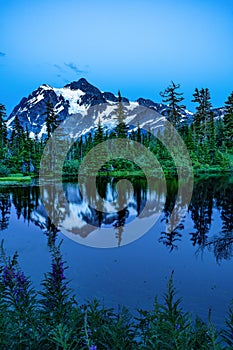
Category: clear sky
[137,46]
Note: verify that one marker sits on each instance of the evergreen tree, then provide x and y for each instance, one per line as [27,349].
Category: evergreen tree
[138,134]
[3,132]
[211,135]
[228,122]
[187,135]
[88,142]
[198,117]
[17,144]
[80,148]
[99,157]
[27,151]
[121,128]
[37,149]
[173,99]
[51,119]
[220,134]
[203,118]
[99,134]
[5,209]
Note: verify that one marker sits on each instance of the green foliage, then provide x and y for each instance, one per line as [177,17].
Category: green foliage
[3,132]
[121,128]
[52,319]
[204,139]
[18,300]
[168,327]
[56,301]
[18,153]
[228,122]
[99,134]
[4,171]
[203,115]
[227,333]
[71,167]
[51,119]
[15,179]
[107,329]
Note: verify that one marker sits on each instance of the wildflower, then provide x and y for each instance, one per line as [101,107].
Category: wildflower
[8,275]
[58,271]
[16,281]
[177,326]
[93,347]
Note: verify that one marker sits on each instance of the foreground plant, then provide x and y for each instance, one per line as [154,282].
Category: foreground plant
[56,301]
[107,329]
[227,333]
[168,327]
[61,316]
[52,319]
[18,305]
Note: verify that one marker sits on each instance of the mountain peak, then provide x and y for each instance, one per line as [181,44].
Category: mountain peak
[45,86]
[84,85]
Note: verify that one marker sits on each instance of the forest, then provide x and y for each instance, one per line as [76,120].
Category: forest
[209,140]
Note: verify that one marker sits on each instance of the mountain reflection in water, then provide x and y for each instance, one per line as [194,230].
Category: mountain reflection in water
[210,210]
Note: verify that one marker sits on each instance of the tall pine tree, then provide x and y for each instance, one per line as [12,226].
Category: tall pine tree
[17,140]
[203,118]
[228,122]
[99,134]
[3,132]
[173,99]
[51,118]
[121,128]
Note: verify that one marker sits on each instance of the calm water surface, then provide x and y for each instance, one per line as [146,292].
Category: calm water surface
[199,250]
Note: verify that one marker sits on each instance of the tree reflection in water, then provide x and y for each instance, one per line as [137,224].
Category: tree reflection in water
[5,208]
[211,203]
[222,243]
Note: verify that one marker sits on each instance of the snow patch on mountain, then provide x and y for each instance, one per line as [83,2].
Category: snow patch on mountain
[10,121]
[42,132]
[132,106]
[74,98]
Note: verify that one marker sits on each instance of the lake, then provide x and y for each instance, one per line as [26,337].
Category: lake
[199,249]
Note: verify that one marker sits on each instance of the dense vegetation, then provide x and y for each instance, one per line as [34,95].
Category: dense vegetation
[209,141]
[52,318]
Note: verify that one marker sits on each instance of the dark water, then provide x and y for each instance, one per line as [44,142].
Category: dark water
[199,249]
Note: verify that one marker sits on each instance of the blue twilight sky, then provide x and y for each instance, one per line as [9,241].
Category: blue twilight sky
[137,46]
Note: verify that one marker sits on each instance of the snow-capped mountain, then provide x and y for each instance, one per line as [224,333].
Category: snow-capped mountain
[78,98]
[73,98]
[219,112]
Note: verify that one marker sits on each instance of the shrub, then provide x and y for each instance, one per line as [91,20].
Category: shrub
[3,170]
